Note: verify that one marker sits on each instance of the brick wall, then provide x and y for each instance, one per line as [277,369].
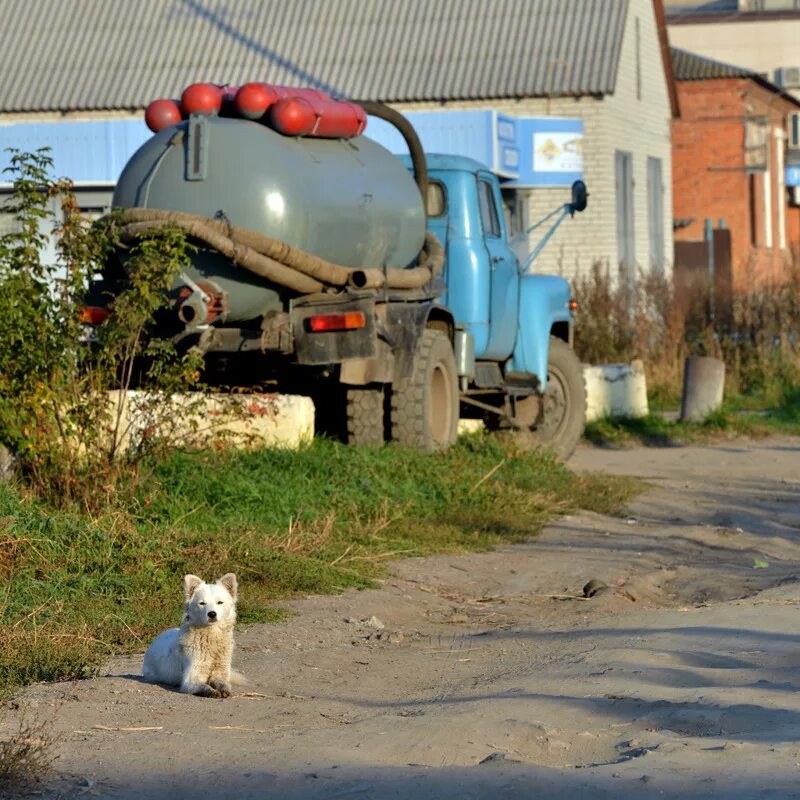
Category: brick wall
[710,179]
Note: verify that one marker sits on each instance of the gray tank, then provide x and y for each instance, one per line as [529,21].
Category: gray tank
[349,201]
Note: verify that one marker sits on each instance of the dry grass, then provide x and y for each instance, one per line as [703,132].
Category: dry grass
[757,333]
[27,754]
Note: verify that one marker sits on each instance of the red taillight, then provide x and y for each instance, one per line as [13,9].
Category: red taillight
[94,315]
[348,321]
[573,306]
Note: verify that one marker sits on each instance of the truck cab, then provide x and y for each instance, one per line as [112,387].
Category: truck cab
[508,320]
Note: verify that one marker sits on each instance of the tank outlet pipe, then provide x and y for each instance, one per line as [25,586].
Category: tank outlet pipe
[407,131]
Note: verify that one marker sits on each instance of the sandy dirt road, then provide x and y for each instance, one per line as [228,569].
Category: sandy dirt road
[492,678]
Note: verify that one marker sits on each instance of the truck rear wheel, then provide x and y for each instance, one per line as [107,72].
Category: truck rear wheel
[564,402]
[425,405]
[365,415]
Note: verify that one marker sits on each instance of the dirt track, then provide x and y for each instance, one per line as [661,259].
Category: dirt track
[492,679]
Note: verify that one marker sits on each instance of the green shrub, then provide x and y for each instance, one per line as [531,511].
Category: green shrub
[56,413]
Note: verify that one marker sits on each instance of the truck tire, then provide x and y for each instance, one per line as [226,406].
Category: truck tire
[564,414]
[365,415]
[424,411]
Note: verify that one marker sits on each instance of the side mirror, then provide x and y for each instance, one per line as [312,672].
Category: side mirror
[580,197]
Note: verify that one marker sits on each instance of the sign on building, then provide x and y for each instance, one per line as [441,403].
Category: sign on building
[527,151]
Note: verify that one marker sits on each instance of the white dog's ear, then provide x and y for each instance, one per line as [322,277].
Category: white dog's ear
[229,582]
[190,583]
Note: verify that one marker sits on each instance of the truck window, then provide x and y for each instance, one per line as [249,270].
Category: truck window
[489,218]
[437,199]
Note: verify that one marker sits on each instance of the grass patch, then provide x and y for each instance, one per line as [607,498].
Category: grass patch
[79,588]
[742,416]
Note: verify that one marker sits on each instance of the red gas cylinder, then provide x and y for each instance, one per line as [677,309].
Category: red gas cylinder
[293,116]
[201,98]
[254,99]
[326,119]
[162,114]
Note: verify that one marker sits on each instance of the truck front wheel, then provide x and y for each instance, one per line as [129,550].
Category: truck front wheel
[563,415]
[425,405]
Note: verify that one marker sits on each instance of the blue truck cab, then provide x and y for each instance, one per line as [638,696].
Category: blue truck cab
[513,328]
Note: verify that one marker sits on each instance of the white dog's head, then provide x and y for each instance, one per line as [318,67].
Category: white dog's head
[210,603]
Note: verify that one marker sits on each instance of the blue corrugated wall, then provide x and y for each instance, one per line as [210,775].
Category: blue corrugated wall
[92,151]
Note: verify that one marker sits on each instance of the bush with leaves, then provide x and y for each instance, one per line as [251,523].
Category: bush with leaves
[58,410]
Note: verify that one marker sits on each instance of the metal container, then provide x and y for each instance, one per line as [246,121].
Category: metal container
[348,201]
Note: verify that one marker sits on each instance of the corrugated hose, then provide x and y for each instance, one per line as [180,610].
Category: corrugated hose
[280,262]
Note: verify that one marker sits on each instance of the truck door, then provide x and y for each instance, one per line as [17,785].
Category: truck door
[504,277]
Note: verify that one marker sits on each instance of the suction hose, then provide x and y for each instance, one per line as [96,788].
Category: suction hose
[280,262]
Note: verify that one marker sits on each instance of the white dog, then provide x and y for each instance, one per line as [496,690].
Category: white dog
[197,656]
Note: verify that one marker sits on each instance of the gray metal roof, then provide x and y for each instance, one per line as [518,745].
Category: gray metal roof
[692,67]
[688,66]
[115,54]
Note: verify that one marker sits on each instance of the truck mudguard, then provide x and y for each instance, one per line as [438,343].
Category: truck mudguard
[543,301]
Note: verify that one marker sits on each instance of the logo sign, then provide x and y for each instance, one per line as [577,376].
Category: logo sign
[557,152]
[551,151]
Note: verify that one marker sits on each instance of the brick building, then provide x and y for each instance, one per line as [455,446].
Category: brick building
[729,156]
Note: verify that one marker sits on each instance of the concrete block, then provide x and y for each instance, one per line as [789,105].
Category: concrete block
[271,420]
[466,426]
[703,387]
[615,390]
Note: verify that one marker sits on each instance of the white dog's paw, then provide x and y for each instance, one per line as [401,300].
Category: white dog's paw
[201,690]
[221,688]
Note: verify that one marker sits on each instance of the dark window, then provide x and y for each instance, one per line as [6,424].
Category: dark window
[655,213]
[626,242]
[489,217]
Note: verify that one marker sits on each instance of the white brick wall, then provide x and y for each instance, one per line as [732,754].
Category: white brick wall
[621,121]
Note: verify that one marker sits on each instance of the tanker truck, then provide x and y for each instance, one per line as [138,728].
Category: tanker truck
[384,287]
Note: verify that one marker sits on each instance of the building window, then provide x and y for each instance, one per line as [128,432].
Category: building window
[756,142]
[655,213]
[626,243]
[752,201]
